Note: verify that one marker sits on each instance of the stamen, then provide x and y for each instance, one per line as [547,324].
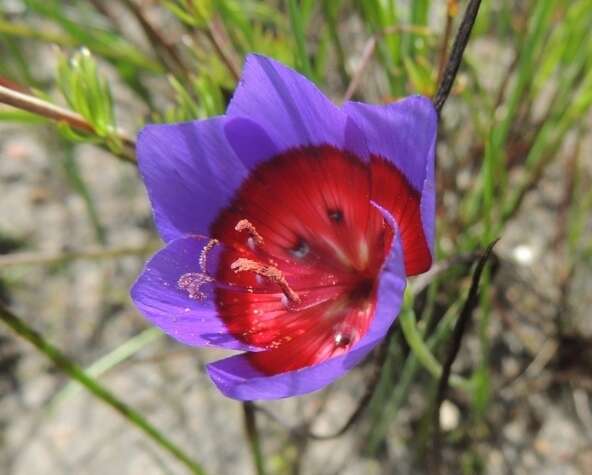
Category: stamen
[192,282]
[245,224]
[204,254]
[270,272]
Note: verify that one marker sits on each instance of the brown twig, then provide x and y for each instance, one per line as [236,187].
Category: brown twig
[565,266]
[101,7]
[369,49]
[532,182]
[499,97]
[15,98]
[219,39]
[13,85]
[165,51]
[457,335]
[458,49]
[43,258]
[451,12]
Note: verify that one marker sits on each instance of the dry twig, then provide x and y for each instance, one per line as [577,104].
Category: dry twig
[20,100]
[459,329]
[458,49]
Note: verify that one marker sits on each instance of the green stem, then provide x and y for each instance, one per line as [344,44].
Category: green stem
[74,371]
[110,360]
[330,9]
[420,349]
[391,405]
[253,438]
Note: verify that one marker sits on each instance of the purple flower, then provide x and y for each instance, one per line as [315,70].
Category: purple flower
[290,227]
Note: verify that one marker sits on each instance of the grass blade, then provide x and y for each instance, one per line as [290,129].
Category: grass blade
[21,328]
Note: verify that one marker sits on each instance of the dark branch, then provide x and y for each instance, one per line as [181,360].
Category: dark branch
[459,329]
[458,49]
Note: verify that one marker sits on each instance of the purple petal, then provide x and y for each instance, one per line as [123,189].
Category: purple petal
[159,298]
[249,141]
[404,133]
[191,172]
[237,379]
[290,108]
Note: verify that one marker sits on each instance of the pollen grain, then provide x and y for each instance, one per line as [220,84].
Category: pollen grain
[192,282]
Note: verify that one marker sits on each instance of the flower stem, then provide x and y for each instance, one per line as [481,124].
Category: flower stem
[252,434]
[74,371]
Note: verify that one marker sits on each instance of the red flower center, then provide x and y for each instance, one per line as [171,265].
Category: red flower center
[303,250]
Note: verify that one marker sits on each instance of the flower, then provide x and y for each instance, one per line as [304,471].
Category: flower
[290,226]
